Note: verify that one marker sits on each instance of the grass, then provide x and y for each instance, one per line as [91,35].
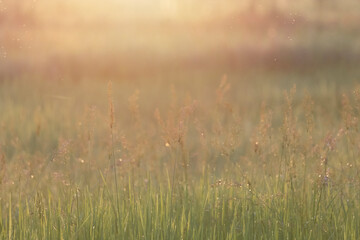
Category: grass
[221,212]
[241,160]
[171,147]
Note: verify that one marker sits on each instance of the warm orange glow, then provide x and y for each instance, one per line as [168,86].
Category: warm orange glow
[121,38]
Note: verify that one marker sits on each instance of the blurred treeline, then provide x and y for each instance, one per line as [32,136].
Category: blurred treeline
[80,39]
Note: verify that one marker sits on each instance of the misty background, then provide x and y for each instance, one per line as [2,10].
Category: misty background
[120,39]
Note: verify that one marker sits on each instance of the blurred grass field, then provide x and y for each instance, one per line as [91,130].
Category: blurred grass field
[179,120]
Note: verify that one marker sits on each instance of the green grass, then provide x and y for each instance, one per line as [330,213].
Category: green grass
[201,212]
[250,158]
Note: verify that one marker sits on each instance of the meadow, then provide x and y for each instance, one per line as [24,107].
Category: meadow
[228,164]
[222,124]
